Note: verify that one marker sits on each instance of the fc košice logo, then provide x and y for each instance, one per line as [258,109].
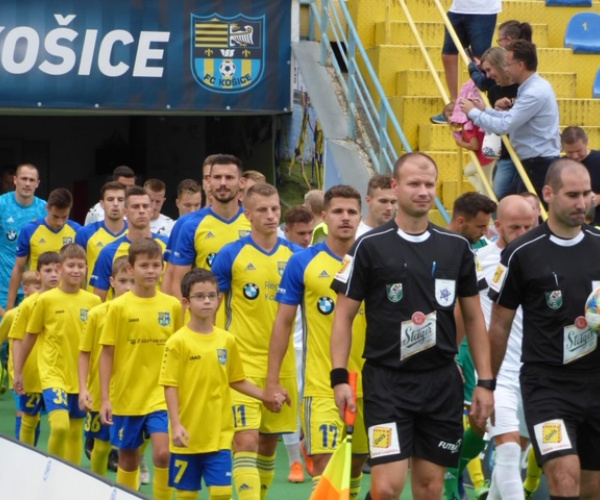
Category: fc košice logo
[227,52]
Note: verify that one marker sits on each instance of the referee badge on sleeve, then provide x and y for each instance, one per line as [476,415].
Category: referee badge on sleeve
[344,273]
[498,278]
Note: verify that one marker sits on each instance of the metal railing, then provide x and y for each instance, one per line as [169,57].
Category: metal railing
[376,116]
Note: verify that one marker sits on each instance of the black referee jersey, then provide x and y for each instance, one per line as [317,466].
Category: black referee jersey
[551,278]
[409,284]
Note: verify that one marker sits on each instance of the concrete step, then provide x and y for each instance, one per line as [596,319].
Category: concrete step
[433,32]
[387,60]
[420,83]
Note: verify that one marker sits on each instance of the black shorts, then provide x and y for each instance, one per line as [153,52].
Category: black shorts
[414,414]
[562,411]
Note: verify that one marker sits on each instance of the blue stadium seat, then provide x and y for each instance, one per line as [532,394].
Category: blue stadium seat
[596,89]
[583,33]
[568,3]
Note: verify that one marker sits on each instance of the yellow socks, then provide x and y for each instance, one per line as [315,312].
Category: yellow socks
[476,472]
[59,432]
[534,473]
[355,483]
[245,476]
[28,426]
[160,484]
[128,479]
[99,458]
[221,492]
[187,495]
[74,445]
[266,471]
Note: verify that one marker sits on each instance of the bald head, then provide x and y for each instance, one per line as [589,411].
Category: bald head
[515,217]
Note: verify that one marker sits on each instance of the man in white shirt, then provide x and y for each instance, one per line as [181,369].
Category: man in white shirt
[159,223]
[381,204]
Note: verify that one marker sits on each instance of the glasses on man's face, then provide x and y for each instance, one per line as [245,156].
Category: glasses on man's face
[203,296]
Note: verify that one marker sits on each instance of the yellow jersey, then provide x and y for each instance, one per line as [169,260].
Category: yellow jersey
[201,366]
[90,343]
[138,328]
[250,278]
[5,326]
[18,329]
[58,319]
[307,282]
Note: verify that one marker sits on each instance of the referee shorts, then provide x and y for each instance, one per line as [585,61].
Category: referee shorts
[414,414]
[324,429]
[562,411]
[251,414]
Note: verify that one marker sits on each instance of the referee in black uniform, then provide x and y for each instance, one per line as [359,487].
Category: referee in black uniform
[410,273]
[550,271]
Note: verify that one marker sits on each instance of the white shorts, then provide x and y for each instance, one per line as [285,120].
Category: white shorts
[508,406]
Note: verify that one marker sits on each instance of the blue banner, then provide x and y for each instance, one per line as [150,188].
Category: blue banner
[146,55]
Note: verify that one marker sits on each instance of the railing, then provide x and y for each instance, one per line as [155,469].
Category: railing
[358,96]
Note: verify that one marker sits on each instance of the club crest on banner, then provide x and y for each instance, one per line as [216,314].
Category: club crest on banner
[228,53]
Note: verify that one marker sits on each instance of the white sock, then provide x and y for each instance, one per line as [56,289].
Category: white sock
[506,477]
[292,445]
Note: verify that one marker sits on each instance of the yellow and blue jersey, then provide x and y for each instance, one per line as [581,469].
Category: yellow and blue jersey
[13,216]
[18,329]
[100,277]
[307,282]
[38,237]
[250,277]
[93,238]
[203,236]
[175,230]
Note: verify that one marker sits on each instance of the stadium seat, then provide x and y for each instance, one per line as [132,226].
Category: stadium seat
[583,33]
[568,3]
[596,89]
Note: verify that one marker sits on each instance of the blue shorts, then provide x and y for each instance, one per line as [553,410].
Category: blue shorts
[473,30]
[58,399]
[96,429]
[129,433]
[186,471]
[31,404]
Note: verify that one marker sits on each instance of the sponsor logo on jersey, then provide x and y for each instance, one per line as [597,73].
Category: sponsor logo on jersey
[243,232]
[222,356]
[67,240]
[42,240]
[445,291]
[251,291]
[325,305]
[324,274]
[83,314]
[382,437]
[383,440]
[209,235]
[11,235]
[250,267]
[196,357]
[99,244]
[10,220]
[59,311]
[281,267]
[552,436]
[164,318]
[551,433]
[554,299]
[451,447]
[394,292]
[210,258]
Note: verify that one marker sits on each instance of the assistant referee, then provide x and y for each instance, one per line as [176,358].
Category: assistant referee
[410,274]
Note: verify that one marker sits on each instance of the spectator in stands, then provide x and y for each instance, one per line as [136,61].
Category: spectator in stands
[159,223]
[574,143]
[532,119]
[381,203]
[474,22]
[122,174]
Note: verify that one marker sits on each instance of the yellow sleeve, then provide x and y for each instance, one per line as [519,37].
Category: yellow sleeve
[169,373]
[35,324]
[86,343]
[109,332]
[236,368]
[178,316]
[5,324]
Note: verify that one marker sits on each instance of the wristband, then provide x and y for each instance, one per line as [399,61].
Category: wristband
[338,376]
[489,384]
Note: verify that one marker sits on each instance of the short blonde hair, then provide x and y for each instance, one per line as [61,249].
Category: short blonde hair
[31,278]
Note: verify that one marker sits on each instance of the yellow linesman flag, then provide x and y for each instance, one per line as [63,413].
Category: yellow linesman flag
[335,481]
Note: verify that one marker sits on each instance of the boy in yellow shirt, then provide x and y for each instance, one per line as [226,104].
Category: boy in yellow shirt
[137,326]
[31,404]
[121,281]
[57,321]
[200,363]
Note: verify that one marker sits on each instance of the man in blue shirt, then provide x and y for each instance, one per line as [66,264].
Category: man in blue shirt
[17,208]
[531,120]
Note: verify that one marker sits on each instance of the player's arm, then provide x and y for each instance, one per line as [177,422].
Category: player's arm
[177,275]
[180,435]
[341,342]
[15,280]
[2,312]
[500,325]
[19,361]
[278,346]
[107,356]
[479,345]
[83,368]
[101,293]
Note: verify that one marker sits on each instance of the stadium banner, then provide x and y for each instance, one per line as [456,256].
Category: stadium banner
[28,473]
[146,55]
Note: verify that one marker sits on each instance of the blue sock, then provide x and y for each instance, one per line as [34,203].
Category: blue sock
[37,433]
[18,426]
